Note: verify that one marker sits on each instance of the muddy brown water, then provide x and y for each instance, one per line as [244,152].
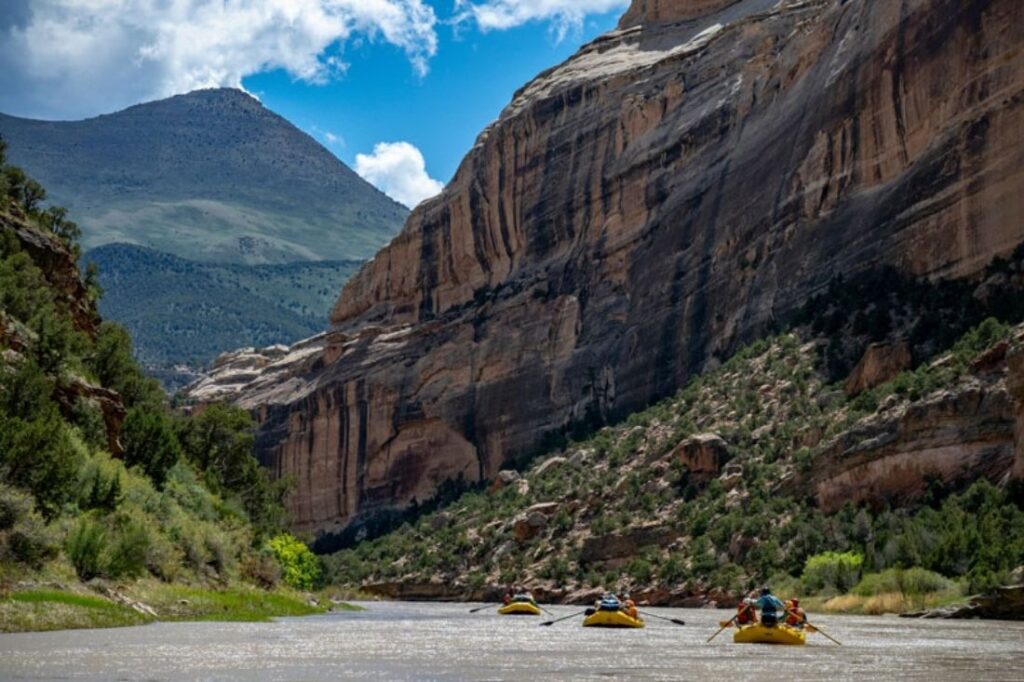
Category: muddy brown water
[405,641]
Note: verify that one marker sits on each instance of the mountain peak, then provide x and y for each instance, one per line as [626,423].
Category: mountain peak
[206,175]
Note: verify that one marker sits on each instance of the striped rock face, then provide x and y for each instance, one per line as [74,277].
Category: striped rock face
[637,212]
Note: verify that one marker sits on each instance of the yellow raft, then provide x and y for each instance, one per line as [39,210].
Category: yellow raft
[519,608]
[611,619]
[763,634]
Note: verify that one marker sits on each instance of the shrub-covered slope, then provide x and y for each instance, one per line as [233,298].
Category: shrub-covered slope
[713,491]
[99,478]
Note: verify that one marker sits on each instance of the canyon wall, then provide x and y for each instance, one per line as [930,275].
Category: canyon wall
[675,188]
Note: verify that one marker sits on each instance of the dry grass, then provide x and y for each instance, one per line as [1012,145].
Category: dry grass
[886,602]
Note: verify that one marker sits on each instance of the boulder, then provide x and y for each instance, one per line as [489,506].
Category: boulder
[703,455]
[527,525]
[1002,603]
[732,476]
[504,478]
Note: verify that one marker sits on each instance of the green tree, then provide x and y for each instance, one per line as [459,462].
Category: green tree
[150,442]
[115,367]
[40,456]
[219,441]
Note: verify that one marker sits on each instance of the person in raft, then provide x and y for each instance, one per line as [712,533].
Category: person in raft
[524,596]
[746,614]
[795,616]
[770,606]
[609,602]
[629,607]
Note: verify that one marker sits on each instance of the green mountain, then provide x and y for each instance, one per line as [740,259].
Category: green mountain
[182,312]
[215,223]
[210,176]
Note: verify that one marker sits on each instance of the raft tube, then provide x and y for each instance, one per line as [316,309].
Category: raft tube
[519,608]
[775,634]
[611,619]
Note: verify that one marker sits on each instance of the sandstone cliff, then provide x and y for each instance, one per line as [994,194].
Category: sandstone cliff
[673,189]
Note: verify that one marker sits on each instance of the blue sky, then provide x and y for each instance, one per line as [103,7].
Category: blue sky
[398,89]
[381,99]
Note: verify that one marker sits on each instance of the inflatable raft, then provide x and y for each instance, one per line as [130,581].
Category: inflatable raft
[611,619]
[775,634]
[519,608]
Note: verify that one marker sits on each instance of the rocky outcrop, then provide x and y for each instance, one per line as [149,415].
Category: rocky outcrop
[672,190]
[57,264]
[881,363]
[703,456]
[1002,603]
[1015,383]
[966,432]
[617,548]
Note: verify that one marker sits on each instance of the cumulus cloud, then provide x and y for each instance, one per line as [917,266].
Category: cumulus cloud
[505,14]
[399,170]
[70,58]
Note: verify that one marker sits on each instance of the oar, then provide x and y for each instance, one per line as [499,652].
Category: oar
[559,620]
[481,608]
[544,610]
[815,628]
[730,622]
[677,621]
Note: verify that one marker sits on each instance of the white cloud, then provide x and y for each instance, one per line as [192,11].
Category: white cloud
[399,170]
[505,14]
[69,58]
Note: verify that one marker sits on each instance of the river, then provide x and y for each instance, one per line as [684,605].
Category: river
[404,641]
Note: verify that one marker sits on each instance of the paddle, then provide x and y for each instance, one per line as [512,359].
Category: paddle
[559,620]
[730,622]
[544,610]
[481,608]
[814,628]
[677,621]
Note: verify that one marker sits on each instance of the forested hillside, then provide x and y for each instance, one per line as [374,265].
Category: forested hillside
[99,477]
[182,314]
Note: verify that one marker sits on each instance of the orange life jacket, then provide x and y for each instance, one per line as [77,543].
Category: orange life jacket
[745,614]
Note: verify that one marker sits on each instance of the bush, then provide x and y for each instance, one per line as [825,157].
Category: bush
[14,506]
[129,552]
[832,571]
[299,566]
[32,542]
[909,582]
[24,536]
[100,484]
[86,547]
[262,569]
